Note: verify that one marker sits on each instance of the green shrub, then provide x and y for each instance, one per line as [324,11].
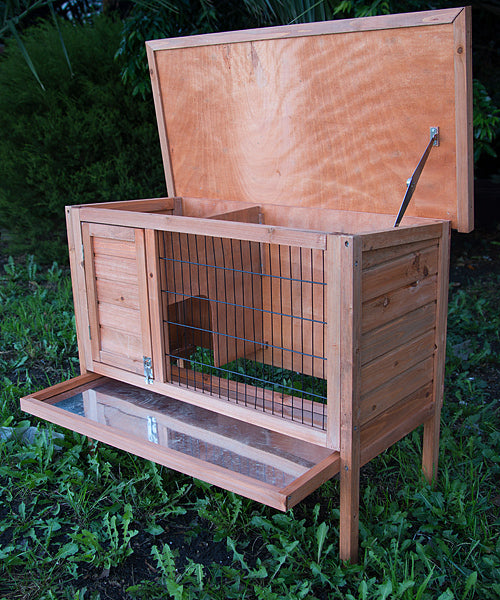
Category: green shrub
[84,139]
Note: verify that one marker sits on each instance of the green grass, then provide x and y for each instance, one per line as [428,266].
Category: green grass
[258,374]
[82,521]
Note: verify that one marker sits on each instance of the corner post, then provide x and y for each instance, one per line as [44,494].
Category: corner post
[76,261]
[430,444]
[349,345]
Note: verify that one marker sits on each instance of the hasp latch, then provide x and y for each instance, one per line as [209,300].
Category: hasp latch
[148,369]
[413,180]
[152,430]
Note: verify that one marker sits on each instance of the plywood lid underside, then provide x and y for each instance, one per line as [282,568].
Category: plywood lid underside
[327,115]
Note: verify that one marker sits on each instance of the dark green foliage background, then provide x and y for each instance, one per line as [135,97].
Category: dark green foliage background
[84,139]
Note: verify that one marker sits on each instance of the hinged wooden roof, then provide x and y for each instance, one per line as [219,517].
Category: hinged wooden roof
[333,114]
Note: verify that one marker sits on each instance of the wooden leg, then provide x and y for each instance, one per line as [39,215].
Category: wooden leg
[349,510]
[349,258]
[430,444]
[430,447]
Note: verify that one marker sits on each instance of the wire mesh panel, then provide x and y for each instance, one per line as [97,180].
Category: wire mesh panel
[245,321]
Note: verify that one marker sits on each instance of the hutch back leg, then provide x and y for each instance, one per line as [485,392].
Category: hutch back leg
[430,444]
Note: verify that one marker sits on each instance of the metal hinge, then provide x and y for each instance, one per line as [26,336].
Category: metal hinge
[152,430]
[148,369]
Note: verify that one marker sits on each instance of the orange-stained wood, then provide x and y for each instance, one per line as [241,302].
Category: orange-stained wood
[350,366]
[291,147]
[430,444]
[117,295]
[240,127]
[311,480]
[393,424]
[160,365]
[464,119]
[75,246]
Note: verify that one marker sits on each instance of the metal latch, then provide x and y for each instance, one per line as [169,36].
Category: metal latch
[413,180]
[148,369]
[152,430]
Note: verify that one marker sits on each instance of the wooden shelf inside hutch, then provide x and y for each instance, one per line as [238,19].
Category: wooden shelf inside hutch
[265,326]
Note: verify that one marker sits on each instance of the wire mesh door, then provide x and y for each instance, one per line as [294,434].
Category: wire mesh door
[245,321]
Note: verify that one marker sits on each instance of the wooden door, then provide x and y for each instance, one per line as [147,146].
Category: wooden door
[117,295]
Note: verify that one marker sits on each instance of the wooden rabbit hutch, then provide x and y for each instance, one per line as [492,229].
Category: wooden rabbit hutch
[266,326]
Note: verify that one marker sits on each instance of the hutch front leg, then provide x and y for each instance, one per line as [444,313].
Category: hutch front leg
[349,255]
[349,503]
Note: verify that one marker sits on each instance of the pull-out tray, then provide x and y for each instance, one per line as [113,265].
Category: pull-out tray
[272,468]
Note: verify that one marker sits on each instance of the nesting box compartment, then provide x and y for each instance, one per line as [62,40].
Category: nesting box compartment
[266,326]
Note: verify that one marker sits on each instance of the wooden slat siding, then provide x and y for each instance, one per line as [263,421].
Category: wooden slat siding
[133,364]
[397,333]
[350,333]
[399,272]
[120,318]
[115,341]
[118,306]
[376,401]
[240,484]
[399,297]
[75,244]
[121,270]
[139,205]
[213,403]
[393,424]
[112,233]
[334,318]
[400,235]
[430,444]
[394,304]
[392,364]
[106,247]
[118,293]
[118,340]
[377,257]
[311,480]
[462,29]
[160,119]
[240,231]
[245,215]
[155,308]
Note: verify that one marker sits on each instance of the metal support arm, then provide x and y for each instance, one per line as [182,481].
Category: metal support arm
[412,182]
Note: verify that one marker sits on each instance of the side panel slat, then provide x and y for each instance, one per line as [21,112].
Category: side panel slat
[398,323]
